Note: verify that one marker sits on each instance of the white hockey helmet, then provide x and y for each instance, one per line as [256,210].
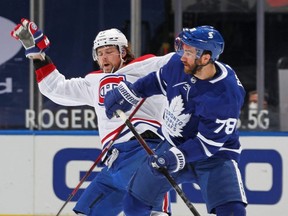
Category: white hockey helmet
[109,37]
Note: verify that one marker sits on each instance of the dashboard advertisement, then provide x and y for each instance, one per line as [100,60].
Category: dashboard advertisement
[40,171]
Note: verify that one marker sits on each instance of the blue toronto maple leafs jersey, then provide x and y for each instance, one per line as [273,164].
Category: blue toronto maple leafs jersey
[201,119]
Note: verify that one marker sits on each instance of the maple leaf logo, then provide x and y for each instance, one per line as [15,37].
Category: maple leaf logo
[174,119]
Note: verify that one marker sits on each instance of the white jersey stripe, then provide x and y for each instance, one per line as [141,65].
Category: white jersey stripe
[240,183]
[209,142]
[223,75]
[159,81]
[207,152]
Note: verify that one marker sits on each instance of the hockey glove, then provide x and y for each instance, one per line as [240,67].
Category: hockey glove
[172,160]
[33,40]
[121,97]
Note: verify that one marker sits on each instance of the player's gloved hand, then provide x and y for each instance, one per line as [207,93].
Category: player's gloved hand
[122,97]
[33,40]
[172,160]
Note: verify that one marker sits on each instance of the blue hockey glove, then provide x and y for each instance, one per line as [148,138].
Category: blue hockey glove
[172,160]
[32,39]
[121,97]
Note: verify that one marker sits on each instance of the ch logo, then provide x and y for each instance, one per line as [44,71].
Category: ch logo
[108,83]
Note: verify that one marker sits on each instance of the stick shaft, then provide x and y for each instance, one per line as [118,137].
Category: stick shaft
[98,159]
[163,171]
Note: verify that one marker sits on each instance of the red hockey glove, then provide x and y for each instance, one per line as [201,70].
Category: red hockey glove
[33,40]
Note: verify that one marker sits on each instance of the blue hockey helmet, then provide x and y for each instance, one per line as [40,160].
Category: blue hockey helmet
[203,38]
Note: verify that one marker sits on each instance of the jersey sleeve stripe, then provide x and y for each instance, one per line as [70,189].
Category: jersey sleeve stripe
[160,82]
[42,72]
[209,142]
[136,122]
[238,151]
[207,152]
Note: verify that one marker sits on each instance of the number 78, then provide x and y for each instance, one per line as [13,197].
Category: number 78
[229,125]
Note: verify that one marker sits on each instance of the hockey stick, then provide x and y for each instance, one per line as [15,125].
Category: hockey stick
[163,171]
[104,151]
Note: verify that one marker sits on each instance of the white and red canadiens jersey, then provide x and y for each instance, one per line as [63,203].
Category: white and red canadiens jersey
[92,89]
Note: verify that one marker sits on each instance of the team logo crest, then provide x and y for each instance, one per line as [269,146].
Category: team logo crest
[108,83]
[174,119]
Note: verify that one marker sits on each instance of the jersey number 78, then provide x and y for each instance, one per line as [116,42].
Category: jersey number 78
[229,125]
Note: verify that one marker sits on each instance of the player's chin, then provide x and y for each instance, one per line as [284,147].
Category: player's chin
[187,70]
[107,68]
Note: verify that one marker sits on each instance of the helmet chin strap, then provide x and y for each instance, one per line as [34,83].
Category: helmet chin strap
[120,66]
[111,71]
[121,49]
[113,68]
[121,62]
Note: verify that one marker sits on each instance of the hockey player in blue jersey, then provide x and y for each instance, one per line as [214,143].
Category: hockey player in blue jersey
[201,139]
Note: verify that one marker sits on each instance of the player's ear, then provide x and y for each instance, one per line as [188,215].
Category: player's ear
[206,57]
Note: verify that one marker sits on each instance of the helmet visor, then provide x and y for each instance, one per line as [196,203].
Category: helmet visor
[178,46]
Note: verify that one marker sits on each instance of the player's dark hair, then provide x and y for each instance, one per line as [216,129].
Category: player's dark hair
[129,55]
[207,52]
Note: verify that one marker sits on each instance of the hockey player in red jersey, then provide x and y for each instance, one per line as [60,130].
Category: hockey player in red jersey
[104,195]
